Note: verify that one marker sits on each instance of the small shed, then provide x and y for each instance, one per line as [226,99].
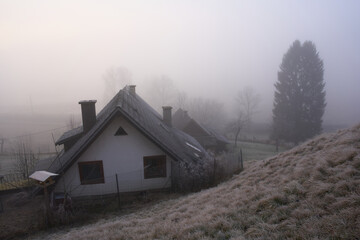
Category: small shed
[44,178]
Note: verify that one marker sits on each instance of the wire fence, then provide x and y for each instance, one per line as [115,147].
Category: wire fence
[119,183]
[132,181]
[225,165]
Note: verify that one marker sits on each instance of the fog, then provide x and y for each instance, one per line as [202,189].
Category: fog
[53,54]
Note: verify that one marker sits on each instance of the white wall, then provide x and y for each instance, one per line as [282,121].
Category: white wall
[122,155]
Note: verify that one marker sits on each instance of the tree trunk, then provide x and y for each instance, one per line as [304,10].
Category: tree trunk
[236,136]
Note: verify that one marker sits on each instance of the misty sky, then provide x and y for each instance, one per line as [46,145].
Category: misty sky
[56,52]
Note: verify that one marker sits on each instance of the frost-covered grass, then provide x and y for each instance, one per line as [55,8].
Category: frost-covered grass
[309,192]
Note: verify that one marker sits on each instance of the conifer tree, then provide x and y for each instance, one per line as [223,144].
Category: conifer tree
[299,100]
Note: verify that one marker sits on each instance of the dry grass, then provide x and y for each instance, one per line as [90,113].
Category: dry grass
[16,185]
[309,192]
[22,215]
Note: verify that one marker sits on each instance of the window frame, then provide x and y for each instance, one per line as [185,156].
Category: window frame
[162,171]
[93,181]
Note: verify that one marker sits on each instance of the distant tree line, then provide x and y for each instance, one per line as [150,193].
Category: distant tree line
[298,107]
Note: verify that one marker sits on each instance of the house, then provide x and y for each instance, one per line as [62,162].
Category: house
[206,136]
[127,147]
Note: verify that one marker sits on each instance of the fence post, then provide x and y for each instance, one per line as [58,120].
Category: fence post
[241,160]
[214,171]
[238,160]
[117,187]
[1,206]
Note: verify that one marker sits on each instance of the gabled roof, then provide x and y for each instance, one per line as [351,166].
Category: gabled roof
[179,145]
[181,119]
[217,135]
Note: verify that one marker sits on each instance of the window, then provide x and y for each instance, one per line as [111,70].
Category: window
[155,166]
[120,132]
[91,172]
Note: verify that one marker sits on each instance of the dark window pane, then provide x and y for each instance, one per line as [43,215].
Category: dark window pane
[154,166]
[91,172]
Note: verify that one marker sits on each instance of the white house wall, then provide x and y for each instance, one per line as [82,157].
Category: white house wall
[121,155]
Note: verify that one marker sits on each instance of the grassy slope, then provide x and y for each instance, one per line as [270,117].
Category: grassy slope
[311,191]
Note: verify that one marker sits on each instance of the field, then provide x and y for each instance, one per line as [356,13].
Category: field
[258,151]
[7,163]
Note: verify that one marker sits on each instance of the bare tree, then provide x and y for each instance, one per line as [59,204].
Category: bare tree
[161,92]
[181,100]
[116,78]
[25,158]
[2,141]
[209,112]
[247,102]
[72,122]
[237,124]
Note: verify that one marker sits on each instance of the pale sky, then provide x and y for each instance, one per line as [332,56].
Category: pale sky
[56,52]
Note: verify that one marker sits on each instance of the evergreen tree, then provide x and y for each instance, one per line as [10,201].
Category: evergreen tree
[299,100]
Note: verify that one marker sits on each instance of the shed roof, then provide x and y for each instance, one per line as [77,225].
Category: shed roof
[42,176]
[181,119]
[69,134]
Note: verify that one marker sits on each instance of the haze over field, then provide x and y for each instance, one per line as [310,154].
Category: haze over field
[53,54]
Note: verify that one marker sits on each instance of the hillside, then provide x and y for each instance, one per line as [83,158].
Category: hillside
[311,191]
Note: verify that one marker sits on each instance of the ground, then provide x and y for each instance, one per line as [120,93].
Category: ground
[24,216]
[21,215]
[28,215]
[309,192]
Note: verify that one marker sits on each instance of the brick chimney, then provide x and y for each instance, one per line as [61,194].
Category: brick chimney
[88,114]
[167,118]
[132,89]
